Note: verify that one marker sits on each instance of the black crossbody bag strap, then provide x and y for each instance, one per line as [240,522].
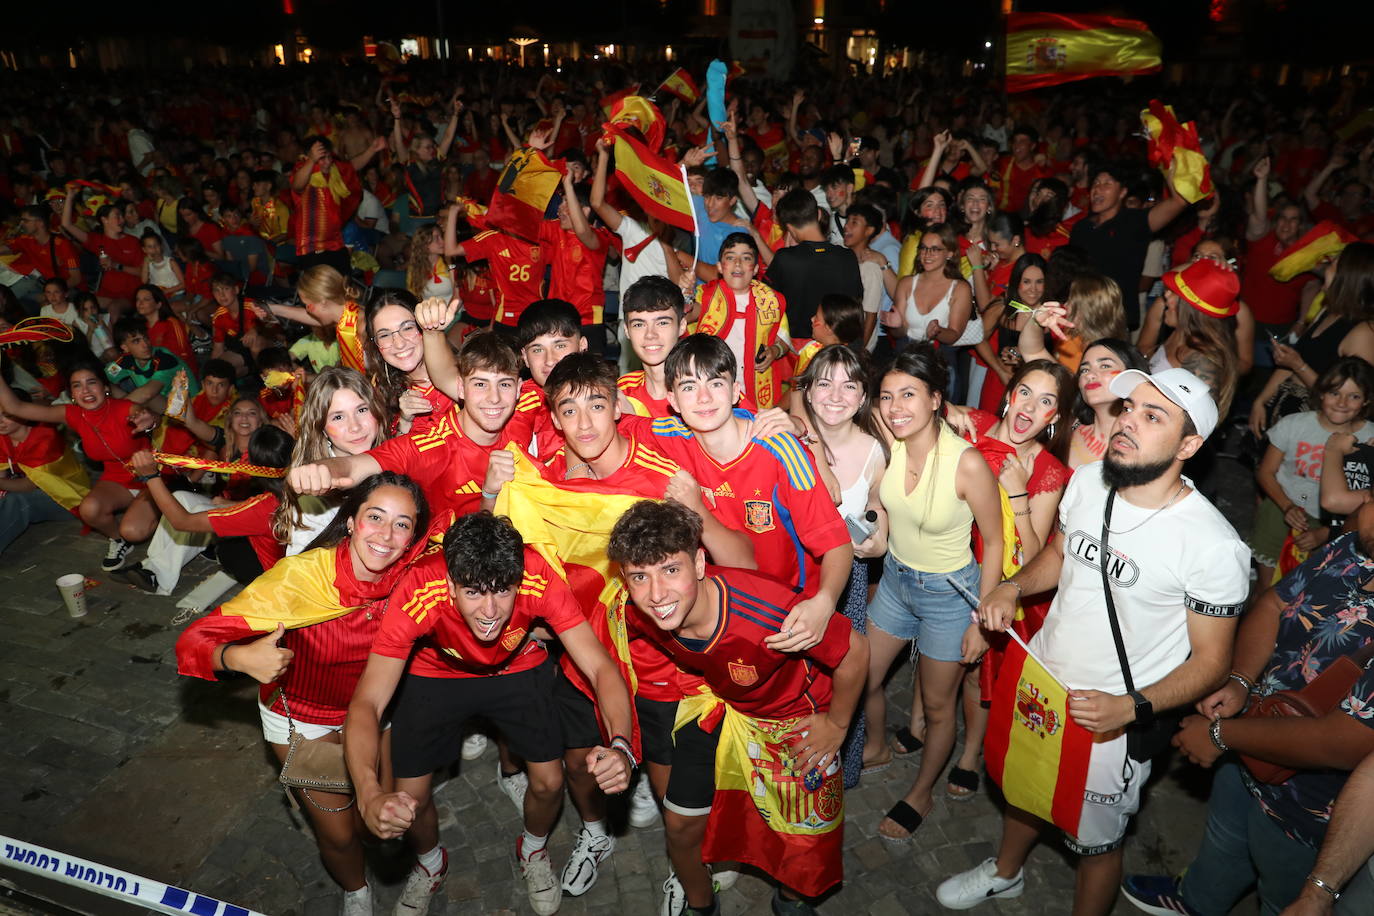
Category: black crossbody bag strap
[1107,591]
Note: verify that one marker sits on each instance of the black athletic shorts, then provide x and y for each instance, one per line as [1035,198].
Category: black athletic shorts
[576,714]
[656,719]
[692,785]
[428,714]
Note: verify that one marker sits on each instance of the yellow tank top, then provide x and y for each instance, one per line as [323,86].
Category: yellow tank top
[930,526]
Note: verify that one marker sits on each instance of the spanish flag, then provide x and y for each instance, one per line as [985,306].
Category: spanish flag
[652,180]
[1045,49]
[1322,240]
[640,113]
[1033,750]
[680,85]
[570,530]
[523,192]
[734,71]
[609,102]
[1176,145]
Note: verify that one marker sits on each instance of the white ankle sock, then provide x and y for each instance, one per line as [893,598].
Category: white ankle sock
[530,844]
[433,860]
[595,828]
[362,893]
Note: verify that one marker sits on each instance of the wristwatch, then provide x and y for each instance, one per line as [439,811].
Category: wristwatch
[1144,709]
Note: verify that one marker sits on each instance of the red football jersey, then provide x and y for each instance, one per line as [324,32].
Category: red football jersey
[447,465]
[252,519]
[107,437]
[636,390]
[516,266]
[425,612]
[770,492]
[531,426]
[224,325]
[577,269]
[645,473]
[754,679]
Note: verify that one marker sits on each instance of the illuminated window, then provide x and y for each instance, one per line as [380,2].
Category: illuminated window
[708,7]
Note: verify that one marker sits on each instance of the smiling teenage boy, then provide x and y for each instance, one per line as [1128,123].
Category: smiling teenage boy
[471,610]
[749,315]
[756,774]
[653,315]
[766,488]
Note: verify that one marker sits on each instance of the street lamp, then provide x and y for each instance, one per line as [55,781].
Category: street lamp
[523,43]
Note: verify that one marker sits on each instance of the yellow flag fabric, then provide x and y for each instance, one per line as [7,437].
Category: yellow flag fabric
[64,480]
[1045,49]
[652,180]
[1321,241]
[298,591]
[1177,146]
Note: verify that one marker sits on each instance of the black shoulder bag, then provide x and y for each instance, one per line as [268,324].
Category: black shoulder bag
[1143,742]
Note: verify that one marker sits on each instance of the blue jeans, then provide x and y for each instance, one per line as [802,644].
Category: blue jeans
[1241,848]
[20,510]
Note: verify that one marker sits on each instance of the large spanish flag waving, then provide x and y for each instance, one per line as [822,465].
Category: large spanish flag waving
[1045,49]
[651,180]
[640,113]
[1033,750]
[523,192]
[1322,240]
[1174,145]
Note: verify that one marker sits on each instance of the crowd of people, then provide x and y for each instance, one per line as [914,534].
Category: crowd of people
[657,511]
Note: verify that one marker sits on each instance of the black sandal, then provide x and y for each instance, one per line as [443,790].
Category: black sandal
[906,817]
[904,743]
[962,779]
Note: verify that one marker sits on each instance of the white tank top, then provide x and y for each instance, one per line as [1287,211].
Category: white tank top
[1159,360]
[916,323]
[160,273]
[854,498]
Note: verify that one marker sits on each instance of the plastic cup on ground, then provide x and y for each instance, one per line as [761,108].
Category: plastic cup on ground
[73,590]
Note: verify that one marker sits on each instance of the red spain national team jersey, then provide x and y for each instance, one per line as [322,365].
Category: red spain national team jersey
[107,437]
[224,326]
[516,266]
[251,519]
[754,679]
[635,387]
[440,406]
[531,426]
[424,612]
[448,466]
[645,473]
[43,445]
[577,270]
[771,493]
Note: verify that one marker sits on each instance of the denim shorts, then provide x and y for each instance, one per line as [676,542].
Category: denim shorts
[934,609]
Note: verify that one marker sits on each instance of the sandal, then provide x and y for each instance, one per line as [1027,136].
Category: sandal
[959,778]
[904,743]
[876,766]
[906,817]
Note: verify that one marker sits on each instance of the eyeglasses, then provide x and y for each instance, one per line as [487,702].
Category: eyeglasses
[930,249]
[384,339]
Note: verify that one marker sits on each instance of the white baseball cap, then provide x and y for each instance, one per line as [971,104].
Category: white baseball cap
[1178,385]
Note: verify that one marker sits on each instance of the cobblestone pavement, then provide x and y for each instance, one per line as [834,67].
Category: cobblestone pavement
[108,754]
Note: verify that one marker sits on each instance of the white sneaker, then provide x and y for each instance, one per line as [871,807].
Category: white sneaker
[513,786]
[724,879]
[587,854]
[674,897]
[970,888]
[116,552]
[357,904]
[643,808]
[474,746]
[546,896]
[420,888]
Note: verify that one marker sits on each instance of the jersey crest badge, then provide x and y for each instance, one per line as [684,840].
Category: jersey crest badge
[512,639]
[758,515]
[744,675]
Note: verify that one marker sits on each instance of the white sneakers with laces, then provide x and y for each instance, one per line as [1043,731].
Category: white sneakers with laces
[545,893]
[980,883]
[514,787]
[420,888]
[587,854]
[643,808]
[474,746]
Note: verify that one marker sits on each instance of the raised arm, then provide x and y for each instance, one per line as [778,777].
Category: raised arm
[746,190]
[451,131]
[36,413]
[1258,223]
[937,155]
[452,247]
[397,142]
[585,235]
[69,225]
[434,316]
[1311,194]
[1167,210]
[609,215]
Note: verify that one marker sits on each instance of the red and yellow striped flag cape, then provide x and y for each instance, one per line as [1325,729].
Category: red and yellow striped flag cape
[680,85]
[571,530]
[51,466]
[1177,145]
[1033,749]
[765,811]
[218,467]
[523,192]
[1045,49]
[651,180]
[1321,242]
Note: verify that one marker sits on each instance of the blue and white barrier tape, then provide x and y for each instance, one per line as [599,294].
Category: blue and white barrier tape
[111,882]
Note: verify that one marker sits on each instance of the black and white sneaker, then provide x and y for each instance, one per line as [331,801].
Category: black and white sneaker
[115,554]
[140,579]
[968,889]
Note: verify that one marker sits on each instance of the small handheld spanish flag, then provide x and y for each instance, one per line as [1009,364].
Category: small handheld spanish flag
[654,182]
[1323,240]
[680,85]
[1177,145]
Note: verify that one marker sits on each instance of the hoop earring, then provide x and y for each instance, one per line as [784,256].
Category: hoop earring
[1051,429]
